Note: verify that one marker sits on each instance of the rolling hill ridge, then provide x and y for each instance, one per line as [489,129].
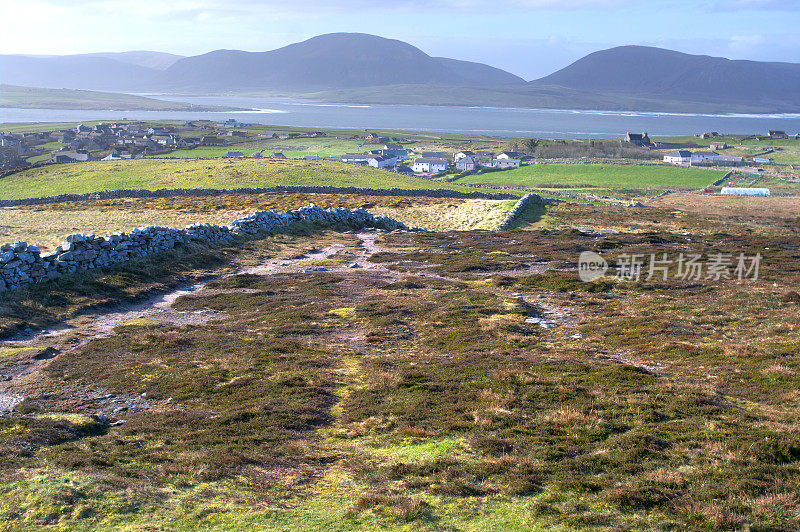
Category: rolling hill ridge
[357,67]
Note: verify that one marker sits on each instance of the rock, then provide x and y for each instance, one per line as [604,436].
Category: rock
[46,354]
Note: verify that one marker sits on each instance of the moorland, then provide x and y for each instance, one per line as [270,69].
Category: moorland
[453,379]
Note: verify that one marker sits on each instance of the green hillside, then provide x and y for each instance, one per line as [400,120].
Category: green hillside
[599,175]
[153,174]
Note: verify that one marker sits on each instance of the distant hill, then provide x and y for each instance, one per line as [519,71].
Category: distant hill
[154,60]
[39,98]
[361,68]
[76,72]
[656,73]
[337,60]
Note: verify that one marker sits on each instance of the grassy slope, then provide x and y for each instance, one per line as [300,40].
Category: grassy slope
[38,98]
[154,174]
[47,225]
[600,176]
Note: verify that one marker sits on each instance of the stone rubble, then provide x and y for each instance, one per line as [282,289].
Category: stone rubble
[23,264]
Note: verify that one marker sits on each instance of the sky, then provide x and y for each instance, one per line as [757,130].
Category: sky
[530,38]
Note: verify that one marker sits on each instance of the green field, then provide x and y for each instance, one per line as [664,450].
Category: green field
[292,148]
[599,175]
[153,174]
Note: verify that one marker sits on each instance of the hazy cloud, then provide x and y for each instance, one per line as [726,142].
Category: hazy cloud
[759,5]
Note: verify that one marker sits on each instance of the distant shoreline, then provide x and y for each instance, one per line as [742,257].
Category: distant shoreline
[15,97]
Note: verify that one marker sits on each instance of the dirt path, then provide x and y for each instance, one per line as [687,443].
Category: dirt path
[80,331]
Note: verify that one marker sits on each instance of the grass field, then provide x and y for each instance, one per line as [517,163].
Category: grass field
[292,148]
[154,174]
[47,225]
[599,175]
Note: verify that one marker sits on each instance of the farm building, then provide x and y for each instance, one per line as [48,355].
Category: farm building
[735,191]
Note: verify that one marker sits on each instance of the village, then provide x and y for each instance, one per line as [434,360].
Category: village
[411,154]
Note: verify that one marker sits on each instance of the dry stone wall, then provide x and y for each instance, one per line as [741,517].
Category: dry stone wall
[524,201]
[22,264]
[292,189]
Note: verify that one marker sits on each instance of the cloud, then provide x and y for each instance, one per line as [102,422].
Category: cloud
[758,5]
[310,7]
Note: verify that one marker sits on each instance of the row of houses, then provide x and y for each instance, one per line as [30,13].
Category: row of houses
[426,162]
[702,158]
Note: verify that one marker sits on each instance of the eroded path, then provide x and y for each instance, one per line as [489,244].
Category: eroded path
[36,348]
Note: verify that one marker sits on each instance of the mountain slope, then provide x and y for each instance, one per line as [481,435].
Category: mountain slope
[658,73]
[75,72]
[143,58]
[337,60]
[39,98]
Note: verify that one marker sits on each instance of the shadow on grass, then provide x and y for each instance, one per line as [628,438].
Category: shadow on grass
[532,214]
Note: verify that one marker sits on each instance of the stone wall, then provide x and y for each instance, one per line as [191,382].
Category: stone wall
[519,207]
[299,189]
[22,264]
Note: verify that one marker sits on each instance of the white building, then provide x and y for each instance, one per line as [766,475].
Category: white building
[463,154]
[734,191]
[703,156]
[504,163]
[678,157]
[429,165]
[382,161]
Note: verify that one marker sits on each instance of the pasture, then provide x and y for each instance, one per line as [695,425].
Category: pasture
[47,225]
[586,176]
[153,174]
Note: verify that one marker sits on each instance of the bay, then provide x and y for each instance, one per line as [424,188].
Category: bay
[489,121]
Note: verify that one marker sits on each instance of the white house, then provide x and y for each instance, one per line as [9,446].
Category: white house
[735,191]
[678,157]
[381,161]
[463,154]
[429,165]
[506,155]
[504,163]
